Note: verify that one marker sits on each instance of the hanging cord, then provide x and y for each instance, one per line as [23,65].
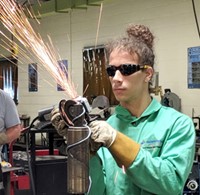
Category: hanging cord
[195,15]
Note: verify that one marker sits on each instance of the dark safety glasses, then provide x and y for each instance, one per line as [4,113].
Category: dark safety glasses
[125,69]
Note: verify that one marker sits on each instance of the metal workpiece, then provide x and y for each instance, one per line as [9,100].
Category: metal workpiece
[75,113]
[78,160]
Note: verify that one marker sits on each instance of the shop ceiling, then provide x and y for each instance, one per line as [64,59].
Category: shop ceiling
[44,8]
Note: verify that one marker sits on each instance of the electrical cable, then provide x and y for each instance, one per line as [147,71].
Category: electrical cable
[80,115]
[87,137]
[195,15]
[80,142]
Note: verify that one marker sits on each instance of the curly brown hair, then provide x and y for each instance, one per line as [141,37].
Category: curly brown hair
[139,40]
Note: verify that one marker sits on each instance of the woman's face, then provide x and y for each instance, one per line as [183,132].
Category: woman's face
[128,88]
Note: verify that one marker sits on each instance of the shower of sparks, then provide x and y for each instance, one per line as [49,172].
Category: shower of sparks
[99,21]
[14,19]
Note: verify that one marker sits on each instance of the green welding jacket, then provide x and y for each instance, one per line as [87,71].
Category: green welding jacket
[97,185]
[166,156]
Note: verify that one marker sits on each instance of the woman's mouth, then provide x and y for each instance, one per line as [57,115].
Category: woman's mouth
[118,90]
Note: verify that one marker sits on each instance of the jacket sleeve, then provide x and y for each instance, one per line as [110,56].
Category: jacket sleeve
[170,170]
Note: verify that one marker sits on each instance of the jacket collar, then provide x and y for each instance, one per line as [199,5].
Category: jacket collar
[123,113]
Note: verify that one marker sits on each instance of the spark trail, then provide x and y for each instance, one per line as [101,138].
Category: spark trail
[14,19]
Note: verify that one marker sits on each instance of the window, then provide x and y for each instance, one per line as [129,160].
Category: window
[95,79]
[9,77]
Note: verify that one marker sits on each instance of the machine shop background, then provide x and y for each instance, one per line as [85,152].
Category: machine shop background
[175,24]
[172,22]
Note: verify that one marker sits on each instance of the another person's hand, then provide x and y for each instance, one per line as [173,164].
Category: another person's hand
[59,123]
[102,134]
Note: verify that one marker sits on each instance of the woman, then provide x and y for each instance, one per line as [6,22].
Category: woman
[148,148]
[144,148]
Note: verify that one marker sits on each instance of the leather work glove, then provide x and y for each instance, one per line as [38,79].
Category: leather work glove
[123,148]
[58,123]
[102,134]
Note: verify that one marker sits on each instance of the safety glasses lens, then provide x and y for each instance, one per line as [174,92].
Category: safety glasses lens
[125,69]
[111,71]
[128,69]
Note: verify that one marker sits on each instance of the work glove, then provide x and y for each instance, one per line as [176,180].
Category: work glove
[59,123]
[102,134]
[123,149]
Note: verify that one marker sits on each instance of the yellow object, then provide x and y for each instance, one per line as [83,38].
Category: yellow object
[5,164]
[14,49]
[124,150]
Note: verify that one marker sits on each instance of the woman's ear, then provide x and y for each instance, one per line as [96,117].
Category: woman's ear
[149,74]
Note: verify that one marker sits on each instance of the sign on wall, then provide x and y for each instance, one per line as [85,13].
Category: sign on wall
[32,77]
[194,67]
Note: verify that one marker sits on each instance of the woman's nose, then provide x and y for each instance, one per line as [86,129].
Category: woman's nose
[118,76]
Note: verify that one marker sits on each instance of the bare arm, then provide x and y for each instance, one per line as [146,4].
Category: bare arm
[13,133]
